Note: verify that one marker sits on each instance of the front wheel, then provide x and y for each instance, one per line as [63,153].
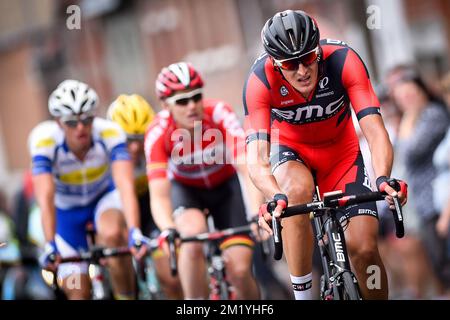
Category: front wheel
[347,288]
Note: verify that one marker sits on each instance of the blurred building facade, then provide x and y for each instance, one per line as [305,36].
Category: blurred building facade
[122,45]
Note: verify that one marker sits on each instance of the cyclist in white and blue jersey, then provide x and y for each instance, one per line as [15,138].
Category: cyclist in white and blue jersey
[82,173]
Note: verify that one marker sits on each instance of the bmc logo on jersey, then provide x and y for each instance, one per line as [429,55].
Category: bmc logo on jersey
[284,91]
[308,113]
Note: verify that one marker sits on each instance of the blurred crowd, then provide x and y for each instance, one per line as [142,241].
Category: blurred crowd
[418,122]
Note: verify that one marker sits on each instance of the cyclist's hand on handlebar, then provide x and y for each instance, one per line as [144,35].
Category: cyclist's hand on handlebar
[393,187]
[49,258]
[164,236]
[258,232]
[135,243]
[279,203]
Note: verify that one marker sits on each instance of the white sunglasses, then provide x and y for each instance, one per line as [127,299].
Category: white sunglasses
[184,98]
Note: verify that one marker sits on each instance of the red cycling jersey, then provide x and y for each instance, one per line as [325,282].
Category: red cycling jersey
[204,160]
[319,128]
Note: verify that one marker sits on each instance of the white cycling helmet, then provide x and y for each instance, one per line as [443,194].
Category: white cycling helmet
[72,97]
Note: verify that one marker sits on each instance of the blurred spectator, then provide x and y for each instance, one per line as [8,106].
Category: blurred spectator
[441,185]
[9,254]
[423,126]
[405,259]
[22,280]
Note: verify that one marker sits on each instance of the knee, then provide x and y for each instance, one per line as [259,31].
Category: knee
[299,192]
[363,253]
[237,273]
[112,234]
[170,284]
[192,251]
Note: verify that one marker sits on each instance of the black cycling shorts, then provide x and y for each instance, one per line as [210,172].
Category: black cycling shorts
[224,202]
[355,180]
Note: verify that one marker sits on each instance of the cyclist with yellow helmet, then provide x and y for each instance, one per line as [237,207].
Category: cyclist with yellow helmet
[134,115]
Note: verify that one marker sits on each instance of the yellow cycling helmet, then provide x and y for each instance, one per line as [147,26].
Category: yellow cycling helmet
[132,113]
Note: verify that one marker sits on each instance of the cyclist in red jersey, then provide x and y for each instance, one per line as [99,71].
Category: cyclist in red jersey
[297,104]
[193,148]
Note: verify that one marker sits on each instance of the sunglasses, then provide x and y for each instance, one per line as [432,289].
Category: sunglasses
[183,99]
[135,137]
[305,59]
[73,122]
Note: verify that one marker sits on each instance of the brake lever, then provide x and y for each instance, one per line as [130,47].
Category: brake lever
[398,209]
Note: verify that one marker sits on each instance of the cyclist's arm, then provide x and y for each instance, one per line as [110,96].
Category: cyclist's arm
[160,203]
[157,155]
[122,172]
[259,168]
[355,78]
[256,101]
[380,146]
[44,191]
[250,191]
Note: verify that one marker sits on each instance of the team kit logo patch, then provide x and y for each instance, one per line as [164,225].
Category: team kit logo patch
[284,91]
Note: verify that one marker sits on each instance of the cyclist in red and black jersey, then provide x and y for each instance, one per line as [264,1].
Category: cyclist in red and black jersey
[297,103]
[193,150]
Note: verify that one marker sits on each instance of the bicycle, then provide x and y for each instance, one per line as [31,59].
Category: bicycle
[338,282]
[220,288]
[98,275]
[147,280]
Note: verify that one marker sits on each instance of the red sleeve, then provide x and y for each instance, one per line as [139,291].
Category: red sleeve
[155,152]
[257,108]
[359,88]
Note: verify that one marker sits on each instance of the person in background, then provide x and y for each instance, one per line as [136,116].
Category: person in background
[134,115]
[423,125]
[194,151]
[441,185]
[82,173]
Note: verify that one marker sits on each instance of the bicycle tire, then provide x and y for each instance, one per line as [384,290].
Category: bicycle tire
[349,289]
[224,290]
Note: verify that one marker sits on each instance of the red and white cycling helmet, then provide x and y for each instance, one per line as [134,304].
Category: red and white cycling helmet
[177,77]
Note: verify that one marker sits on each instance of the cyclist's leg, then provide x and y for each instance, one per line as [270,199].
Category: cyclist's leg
[228,210]
[296,181]
[170,285]
[70,234]
[112,232]
[190,220]
[191,260]
[238,262]
[361,234]
[361,238]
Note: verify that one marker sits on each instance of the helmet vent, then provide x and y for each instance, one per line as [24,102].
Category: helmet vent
[72,92]
[83,104]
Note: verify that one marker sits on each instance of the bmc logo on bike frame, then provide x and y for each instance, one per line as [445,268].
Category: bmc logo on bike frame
[310,113]
[338,247]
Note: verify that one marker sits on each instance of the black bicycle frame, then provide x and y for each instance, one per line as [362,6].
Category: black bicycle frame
[333,251]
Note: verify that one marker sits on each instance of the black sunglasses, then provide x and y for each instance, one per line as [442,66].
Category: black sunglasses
[185,101]
[135,137]
[72,123]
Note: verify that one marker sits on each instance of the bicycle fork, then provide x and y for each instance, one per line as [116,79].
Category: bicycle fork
[335,259]
[220,289]
[338,262]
